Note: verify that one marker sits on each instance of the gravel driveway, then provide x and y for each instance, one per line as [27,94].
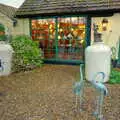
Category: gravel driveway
[46,94]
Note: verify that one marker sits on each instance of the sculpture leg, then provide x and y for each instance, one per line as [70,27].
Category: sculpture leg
[76,101]
[81,98]
[100,115]
[99,105]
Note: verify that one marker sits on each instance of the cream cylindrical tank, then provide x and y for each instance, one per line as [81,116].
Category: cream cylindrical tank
[97,59]
[5,59]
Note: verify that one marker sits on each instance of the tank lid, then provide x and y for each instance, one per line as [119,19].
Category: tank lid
[97,37]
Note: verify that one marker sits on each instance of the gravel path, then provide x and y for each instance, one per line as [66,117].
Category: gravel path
[46,94]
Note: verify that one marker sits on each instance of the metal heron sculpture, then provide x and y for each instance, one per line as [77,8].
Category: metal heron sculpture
[102,91]
[78,87]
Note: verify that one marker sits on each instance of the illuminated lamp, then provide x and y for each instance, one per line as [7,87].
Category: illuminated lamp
[104,24]
[50,26]
[58,25]
[51,30]
[61,29]
[81,41]
[59,37]
[46,23]
[72,29]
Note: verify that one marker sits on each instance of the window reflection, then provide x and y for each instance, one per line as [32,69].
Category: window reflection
[43,31]
[70,37]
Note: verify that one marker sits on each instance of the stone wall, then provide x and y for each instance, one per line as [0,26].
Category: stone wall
[22,27]
[7,22]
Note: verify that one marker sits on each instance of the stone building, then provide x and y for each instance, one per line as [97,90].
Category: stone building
[64,27]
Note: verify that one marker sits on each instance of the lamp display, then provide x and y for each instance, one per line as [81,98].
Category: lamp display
[104,24]
[70,36]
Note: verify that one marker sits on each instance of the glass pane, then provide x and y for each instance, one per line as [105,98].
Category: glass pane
[71,37]
[43,31]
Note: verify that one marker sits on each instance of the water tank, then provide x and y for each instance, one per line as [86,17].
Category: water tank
[5,59]
[97,59]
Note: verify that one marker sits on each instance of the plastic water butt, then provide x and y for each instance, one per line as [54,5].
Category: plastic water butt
[5,59]
[97,59]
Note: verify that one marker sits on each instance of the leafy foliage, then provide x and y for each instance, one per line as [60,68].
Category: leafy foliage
[2,28]
[27,55]
[114,77]
[3,37]
[2,33]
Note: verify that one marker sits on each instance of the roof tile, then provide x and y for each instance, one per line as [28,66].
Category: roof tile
[43,7]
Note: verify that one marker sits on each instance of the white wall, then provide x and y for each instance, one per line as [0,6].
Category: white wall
[112,35]
[22,27]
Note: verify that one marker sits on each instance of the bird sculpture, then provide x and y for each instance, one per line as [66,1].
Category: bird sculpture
[102,91]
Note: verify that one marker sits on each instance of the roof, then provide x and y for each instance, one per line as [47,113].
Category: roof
[48,7]
[8,10]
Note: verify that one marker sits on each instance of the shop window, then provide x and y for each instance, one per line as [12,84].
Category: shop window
[71,37]
[43,31]
[66,41]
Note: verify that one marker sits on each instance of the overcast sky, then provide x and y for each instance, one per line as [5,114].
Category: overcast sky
[14,3]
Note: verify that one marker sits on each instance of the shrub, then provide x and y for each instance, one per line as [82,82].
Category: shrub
[114,77]
[2,33]
[27,54]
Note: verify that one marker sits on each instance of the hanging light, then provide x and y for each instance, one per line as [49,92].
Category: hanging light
[72,29]
[58,25]
[60,29]
[104,24]
[51,30]
[59,37]
[81,41]
[50,26]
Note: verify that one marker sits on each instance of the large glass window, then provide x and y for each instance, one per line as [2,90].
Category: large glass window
[43,31]
[60,38]
[71,37]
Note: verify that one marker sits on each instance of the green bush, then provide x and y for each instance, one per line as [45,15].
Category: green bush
[27,55]
[114,77]
[2,33]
